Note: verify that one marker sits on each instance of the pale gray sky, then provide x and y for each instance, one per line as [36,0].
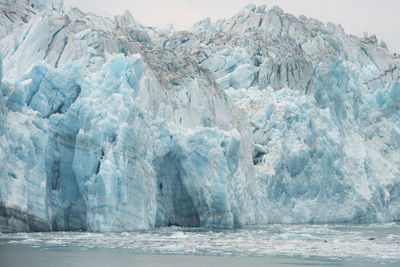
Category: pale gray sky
[380,17]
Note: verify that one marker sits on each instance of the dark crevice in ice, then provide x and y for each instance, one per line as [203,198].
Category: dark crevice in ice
[260,22]
[257,158]
[65,202]
[62,51]
[50,45]
[174,204]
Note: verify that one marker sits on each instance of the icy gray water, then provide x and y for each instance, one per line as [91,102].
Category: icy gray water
[379,243]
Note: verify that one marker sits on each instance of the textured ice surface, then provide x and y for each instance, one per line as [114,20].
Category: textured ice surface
[103,131]
[107,125]
[323,109]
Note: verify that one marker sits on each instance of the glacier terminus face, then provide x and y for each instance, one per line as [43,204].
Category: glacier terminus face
[109,126]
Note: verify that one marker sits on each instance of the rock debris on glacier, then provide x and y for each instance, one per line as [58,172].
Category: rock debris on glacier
[108,125]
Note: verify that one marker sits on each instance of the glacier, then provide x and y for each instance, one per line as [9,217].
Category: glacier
[109,125]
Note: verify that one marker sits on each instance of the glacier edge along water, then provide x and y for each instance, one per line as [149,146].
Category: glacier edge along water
[108,125]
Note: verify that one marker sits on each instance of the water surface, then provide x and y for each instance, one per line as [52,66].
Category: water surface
[271,245]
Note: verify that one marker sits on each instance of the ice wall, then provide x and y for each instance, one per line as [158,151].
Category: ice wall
[323,109]
[106,132]
[109,125]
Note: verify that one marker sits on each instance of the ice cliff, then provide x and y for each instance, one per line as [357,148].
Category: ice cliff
[108,125]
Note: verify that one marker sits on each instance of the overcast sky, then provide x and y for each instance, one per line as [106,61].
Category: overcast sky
[380,17]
